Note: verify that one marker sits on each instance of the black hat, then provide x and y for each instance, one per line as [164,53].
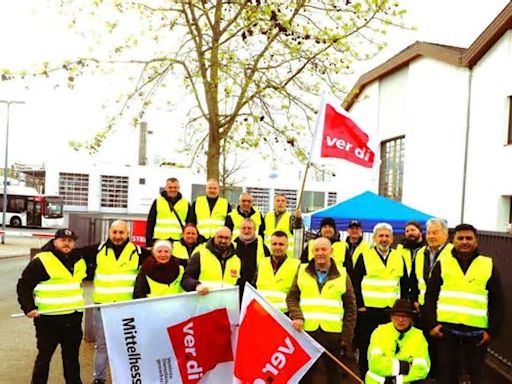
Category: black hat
[414,223]
[354,223]
[328,221]
[402,306]
[65,232]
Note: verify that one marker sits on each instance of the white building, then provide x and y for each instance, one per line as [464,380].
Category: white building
[443,118]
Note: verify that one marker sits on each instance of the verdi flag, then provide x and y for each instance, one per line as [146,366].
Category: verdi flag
[268,349]
[338,136]
[184,338]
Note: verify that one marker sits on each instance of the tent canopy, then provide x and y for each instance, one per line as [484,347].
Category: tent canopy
[369,209]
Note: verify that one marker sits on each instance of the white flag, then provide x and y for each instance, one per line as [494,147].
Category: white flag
[184,338]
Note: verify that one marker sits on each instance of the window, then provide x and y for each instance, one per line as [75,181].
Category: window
[233,195]
[74,187]
[332,197]
[114,191]
[509,136]
[312,201]
[142,181]
[197,190]
[392,168]
[260,198]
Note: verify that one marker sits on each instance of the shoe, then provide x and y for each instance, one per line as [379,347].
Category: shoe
[98,381]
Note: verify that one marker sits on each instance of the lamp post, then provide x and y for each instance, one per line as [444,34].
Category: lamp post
[4,200]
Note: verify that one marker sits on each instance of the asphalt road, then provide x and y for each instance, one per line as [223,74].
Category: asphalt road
[18,346]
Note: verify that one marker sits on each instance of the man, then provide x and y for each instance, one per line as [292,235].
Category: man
[412,242]
[282,220]
[209,212]
[277,272]
[168,214]
[321,302]
[339,247]
[355,243]
[214,266]
[398,352]
[245,210]
[379,279]
[51,281]
[189,241]
[251,251]
[463,307]
[116,263]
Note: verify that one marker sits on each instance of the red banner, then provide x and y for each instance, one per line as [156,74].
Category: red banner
[342,138]
[200,343]
[266,352]
[138,235]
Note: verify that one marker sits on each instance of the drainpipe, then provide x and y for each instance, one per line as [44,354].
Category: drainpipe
[466,146]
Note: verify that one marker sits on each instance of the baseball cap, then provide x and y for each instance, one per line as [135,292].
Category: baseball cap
[65,233]
[354,223]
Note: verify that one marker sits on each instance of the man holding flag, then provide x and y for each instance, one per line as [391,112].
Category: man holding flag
[322,302]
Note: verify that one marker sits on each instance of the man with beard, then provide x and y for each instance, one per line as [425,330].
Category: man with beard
[379,278]
[411,243]
[168,214]
[115,263]
[51,281]
[214,266]
[339,247]
[251,251]
[245,210]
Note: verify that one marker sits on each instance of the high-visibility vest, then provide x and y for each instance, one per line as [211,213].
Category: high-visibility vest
[161,289]
[363,246]
[167,225]
[180,251]
[418,268]
[322,308]
[238,219]
[275,287]
[62,289]
[381,284]
[114,279]
[388,347]
[463,298]
[208,222]
[282,225]
[211,270]
[339,249]
[407,255]
[260,250]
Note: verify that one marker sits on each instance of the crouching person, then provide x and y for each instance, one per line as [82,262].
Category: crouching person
[398,352]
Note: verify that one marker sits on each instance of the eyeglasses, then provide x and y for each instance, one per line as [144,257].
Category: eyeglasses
[397,348]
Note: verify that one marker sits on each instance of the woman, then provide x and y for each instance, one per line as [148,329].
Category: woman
[160,274]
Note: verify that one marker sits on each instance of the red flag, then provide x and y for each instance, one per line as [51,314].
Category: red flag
[200,343]
[343,139]
[266,352]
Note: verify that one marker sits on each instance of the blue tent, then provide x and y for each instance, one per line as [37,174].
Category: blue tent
[369,209]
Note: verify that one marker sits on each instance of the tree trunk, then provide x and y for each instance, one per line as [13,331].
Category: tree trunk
[213,153]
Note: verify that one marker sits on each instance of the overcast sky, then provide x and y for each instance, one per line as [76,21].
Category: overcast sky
[41,129]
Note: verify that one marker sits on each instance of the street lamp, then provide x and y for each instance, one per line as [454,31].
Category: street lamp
[4,200]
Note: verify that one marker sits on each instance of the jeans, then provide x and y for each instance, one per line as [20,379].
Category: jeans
[52,330]
[100,347]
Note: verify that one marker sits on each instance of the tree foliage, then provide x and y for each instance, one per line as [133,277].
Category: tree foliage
[251,68]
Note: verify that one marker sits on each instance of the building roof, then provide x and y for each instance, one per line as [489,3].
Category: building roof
[457,56]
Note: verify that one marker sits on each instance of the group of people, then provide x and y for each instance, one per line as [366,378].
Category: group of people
[345,293]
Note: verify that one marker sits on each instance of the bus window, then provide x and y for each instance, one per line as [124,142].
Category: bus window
[53,209]
[16,204]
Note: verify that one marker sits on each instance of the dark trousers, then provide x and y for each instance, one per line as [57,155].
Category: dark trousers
[325,370]
[453,351]
[52,330]
[367,322]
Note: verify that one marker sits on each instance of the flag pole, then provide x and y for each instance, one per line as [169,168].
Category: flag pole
[344,367]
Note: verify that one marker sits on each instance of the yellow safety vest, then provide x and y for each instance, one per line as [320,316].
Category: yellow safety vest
[211,270]
[323,308]
[463,298]
[363,246]
[383,360]
[161,289]
[282,225]
[208,222]
[237,219]
[381,284]
[339,249]
[418,268]
[114,279]
[275,287]
[63,289]
[167,225]
[407,255]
